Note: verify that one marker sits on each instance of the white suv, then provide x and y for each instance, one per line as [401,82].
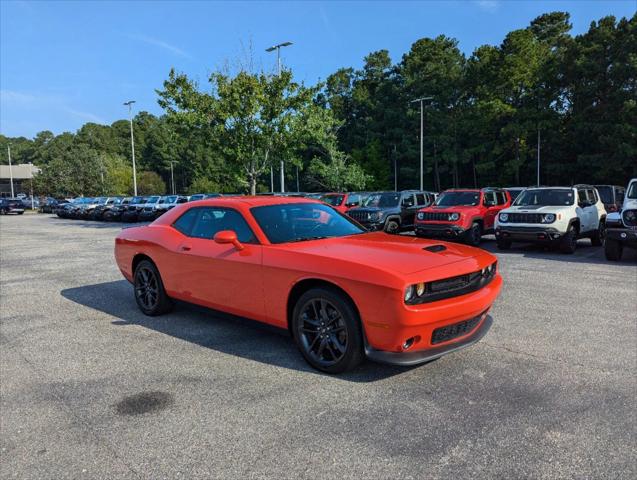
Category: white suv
[553,216]
[621,228]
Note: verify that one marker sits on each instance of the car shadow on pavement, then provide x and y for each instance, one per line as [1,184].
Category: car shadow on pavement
[215,330]
[585,253]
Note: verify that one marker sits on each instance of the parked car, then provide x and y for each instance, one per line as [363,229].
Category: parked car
[463,214]
[11,205]
[202,196]
[30,204]
[169,202]
[49,204]
[392,212]
[343,293]
[63,209]
[99,211]
[621,227]
[136,205]
[554,216]
[612,196]
[114,213]
[149,212]
[342,201]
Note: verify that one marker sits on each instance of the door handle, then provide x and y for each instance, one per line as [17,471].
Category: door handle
[185,248]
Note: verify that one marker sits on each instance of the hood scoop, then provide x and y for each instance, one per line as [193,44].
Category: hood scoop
[435,248]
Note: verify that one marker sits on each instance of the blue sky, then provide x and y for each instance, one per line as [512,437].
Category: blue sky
[65,63]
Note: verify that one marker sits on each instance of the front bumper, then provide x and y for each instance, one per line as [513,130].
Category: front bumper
[439,230]
[421,356]
[539,234]
[372,226]
[625,236]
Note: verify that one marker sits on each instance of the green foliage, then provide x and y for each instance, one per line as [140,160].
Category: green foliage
[149,183]
[203,185]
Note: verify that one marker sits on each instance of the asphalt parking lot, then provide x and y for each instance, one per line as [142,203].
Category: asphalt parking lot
[91,388]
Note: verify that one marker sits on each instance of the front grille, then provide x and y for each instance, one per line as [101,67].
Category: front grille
[630,218]
[525,218]
[434,217]
[359,216]
[444,334]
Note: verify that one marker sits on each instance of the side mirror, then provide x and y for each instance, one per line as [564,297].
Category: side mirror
[228,236]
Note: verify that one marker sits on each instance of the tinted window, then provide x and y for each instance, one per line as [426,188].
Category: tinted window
[295,222]
[205,222]
[408,200]
[501,198]
[420,199]
[619,195]
[546,196]
[606,193]
[334,200]
[354,200]
[489,198]
[383,200]
[449,199]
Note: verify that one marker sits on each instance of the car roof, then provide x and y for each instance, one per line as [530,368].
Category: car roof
[256,201]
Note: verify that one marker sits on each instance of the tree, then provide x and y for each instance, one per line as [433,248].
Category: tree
[150,183]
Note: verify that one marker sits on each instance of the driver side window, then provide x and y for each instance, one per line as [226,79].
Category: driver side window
[206,222]
[408,201]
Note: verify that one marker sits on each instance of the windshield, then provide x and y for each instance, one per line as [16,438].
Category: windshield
[514,192]
[296,222]
[545,197]
[152,200]
[383,200]
[605,193]
[333,200]
[451,199]
[632,191]
[170,199]
[198,196]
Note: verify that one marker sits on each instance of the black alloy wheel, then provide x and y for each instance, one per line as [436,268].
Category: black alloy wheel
[568,244]
[474,235]
[150,295]
[597,239]
[327,331]
[392,227]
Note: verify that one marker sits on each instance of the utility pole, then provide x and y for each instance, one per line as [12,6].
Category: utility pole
[10,170]
[278,64]
[395,170]
[422,127]
[31,185]
[132,143]
[172,176]
[538,157]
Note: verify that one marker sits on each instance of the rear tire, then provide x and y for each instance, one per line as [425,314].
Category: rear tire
[150,295]
[568,244]
[597,239]
[613,250]
[474,234]
[392,227]
[327,330]
[503,243]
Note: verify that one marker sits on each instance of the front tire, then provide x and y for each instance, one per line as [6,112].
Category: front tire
[474,234]
[568,244]
[613,250]
[326,328]
[392,227]
[150,295]
[597,239]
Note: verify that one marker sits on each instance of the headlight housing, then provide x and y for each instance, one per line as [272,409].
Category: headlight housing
[454,216]
[504,217]
[630,218]
[420,215]
[548,218]
[424,292]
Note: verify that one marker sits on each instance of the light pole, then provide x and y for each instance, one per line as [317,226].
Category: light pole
[132,143]
[31,185]
[422,126]
[278,66]
[172,177]
[10,170]
[538,157]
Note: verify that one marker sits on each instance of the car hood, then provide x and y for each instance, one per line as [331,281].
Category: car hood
[392,253]
[629,204]
[538,209]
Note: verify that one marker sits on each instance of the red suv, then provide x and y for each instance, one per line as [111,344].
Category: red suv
[463,214]
[342,201]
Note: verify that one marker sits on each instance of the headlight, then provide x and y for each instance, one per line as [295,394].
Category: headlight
[420,289]
[630,217]
[420,216]
[504,217]
[548,218]
[409,293]
[454,216]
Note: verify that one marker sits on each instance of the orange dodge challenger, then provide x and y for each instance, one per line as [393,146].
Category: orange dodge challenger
[342,292]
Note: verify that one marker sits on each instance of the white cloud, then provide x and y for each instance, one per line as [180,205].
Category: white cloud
[488,5]
[161,44]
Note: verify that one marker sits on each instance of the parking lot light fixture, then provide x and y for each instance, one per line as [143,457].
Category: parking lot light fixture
[132,143]
[278,66]
[422,126]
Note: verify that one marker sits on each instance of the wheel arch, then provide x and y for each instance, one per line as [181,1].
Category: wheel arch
[306,284]
[575,222]
[138,257]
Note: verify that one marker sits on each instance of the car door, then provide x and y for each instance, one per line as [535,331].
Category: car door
[408,209]
[490,202]
[219,275]
[587,207]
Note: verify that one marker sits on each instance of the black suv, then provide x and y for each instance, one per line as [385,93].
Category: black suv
[392,212]
[11,205]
